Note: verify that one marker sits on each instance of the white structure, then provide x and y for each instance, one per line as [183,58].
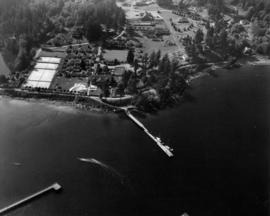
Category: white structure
[43,73]
[78,87]
[156,15]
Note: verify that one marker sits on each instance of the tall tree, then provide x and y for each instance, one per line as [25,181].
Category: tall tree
[130,56]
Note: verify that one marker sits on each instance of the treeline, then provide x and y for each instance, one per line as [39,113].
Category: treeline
[25,24]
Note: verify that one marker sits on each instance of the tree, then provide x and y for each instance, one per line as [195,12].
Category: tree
[152,59]
[3,79]
[199,36]
[120,89]
[223,39]
[132,84]
[93,30]
[165,64]
[23,58]
[130,56]
[158,55]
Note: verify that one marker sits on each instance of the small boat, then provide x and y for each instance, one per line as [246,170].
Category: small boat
[168,147]
[158,139]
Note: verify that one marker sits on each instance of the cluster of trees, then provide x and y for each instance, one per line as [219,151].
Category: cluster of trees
[158,81]
[25,24]
[256,12]
[220,42]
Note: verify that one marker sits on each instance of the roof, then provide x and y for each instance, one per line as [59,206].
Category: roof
[52,60]
[41,78]
[48,66]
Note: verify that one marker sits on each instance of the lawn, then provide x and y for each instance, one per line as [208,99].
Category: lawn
[149,45]
[67,83]
[111,55]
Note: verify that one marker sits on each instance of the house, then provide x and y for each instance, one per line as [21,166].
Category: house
[183,20]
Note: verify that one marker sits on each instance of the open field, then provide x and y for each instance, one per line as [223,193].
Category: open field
[67,83]
[149,45]
[111,55]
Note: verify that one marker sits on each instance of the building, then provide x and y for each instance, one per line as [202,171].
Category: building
[43,73]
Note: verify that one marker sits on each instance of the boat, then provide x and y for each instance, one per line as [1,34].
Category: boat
[168,147]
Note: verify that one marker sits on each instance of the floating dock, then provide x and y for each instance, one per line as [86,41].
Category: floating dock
[157,140]
[53,187]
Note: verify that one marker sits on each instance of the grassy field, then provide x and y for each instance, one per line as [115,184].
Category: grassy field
[67,83]
[149,45]
[120,55]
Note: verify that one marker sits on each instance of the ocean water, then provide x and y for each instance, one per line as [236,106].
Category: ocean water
[220,134]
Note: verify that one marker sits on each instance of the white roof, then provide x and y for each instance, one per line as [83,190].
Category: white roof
[49,60]
[48,66]
[35,75]
[79,87]
[40,78]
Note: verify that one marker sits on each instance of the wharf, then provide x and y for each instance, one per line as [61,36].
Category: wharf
[54,187]
[157,140]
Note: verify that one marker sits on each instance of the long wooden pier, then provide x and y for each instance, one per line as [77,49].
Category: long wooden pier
[157,140]
[54,187]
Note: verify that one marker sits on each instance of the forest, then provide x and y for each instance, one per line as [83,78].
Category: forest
[26,24]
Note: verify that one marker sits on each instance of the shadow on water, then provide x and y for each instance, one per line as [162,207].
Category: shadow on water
[122,115]
[139,114]
[188,98]
[213,73]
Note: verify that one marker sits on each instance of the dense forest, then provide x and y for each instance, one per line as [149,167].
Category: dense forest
[25,24]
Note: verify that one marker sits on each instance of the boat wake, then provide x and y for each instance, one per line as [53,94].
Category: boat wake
[106,167]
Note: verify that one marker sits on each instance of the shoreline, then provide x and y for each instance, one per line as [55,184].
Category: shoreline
[256,60]
[54,103]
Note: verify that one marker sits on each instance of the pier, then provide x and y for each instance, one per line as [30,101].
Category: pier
[166,149]
[53,187]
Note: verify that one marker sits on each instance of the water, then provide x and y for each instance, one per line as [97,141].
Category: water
[220,135]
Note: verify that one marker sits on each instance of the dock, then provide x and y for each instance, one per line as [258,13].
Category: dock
[53,187]
[166,149]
